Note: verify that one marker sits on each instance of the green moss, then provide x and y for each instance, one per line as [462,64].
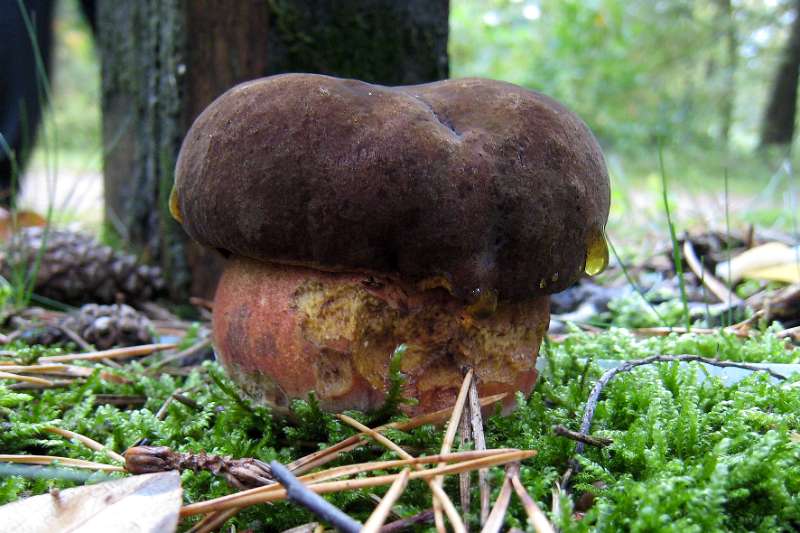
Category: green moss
[688,454]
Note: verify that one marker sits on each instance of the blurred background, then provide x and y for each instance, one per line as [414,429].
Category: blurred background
[711,84]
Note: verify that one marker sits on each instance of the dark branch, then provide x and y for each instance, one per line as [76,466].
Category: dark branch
[301,495]
[594,396]
[600,442]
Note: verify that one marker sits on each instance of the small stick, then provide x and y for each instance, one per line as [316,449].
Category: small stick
[447,442]
[299,493]
[714,285]
[495,521]
[74,337]
[600,442]
[115,353]
[275,493]
[425,517]
[378,516]
[86,441]
[480,444]
[191,350]
[789,332]
[536,517]
[594,396]
[26,379]
[202,303]
[465,478]
[65,461]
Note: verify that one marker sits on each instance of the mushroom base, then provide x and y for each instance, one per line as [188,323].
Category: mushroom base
[284,331]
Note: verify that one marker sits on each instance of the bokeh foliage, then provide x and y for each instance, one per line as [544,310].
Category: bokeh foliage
[638,71]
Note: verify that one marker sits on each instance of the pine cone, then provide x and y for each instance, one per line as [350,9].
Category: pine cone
[75,268]
[104,326]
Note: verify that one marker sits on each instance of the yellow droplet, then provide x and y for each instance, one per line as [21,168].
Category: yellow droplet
[596,252]
[174,210]
[484,305]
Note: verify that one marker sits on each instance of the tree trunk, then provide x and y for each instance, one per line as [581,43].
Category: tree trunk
[164,61]
[779,117]
[728,96]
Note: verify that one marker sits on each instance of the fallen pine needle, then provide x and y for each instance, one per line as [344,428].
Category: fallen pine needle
[352,470]
[536,517]
[115,353]
[378,516]
[317,459]
[272,493]
[439,495]
[26,379]
[496,517]
[64,461]
[86,441]
[213,521]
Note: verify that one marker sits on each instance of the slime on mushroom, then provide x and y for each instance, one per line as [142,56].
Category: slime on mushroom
[359,217]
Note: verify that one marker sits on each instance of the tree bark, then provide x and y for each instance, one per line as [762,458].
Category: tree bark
[164,61]
[728,96]
[779,116]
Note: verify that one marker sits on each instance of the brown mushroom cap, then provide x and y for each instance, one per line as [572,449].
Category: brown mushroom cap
[472,184]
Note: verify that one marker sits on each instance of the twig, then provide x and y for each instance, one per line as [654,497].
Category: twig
[64,461]
[378,516]
[86,441]
[274,493]
[476,419]
[74,337]
[191,350]
[115,353]
[465,478]
[425,517]
[239,473]
[298,492]
[594,396]
[714,285]
[581,437]
[789,332]
[447,443]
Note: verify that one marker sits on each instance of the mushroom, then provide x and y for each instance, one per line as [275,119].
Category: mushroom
[357,217]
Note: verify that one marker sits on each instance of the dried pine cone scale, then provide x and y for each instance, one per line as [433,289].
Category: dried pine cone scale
[75,268]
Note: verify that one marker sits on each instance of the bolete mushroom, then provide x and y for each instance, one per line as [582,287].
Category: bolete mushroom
[358,217]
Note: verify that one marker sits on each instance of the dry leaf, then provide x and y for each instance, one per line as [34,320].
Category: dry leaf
[150,502]
[773,261]
[24,219]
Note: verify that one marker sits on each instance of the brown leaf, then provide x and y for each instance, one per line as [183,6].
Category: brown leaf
[24,219]
[149,502]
